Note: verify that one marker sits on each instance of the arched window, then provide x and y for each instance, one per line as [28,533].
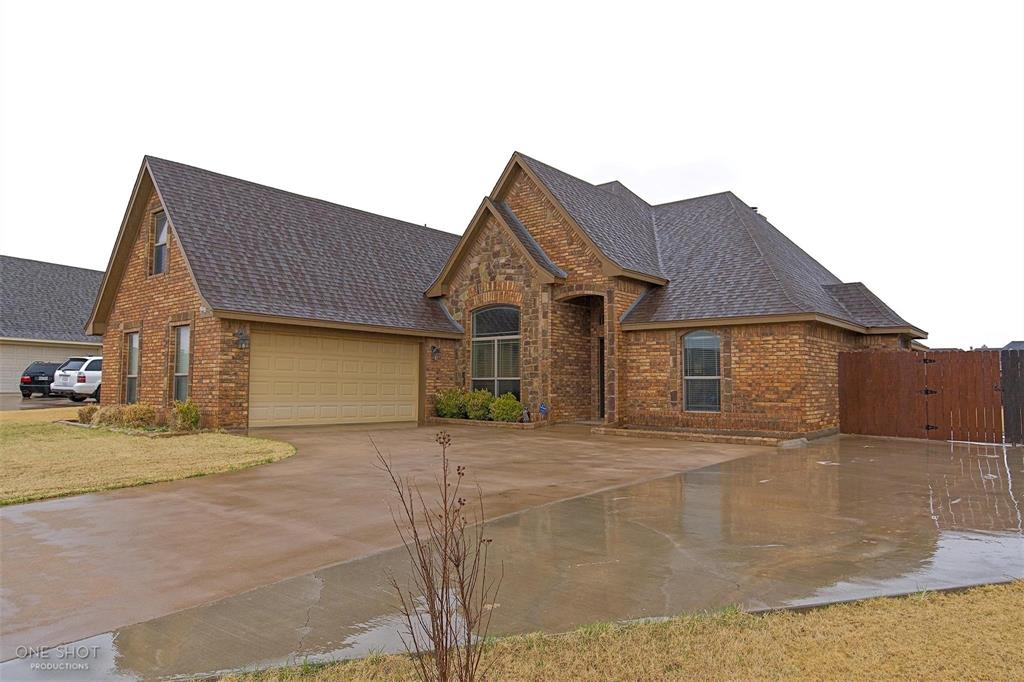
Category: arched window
[496,350]
[702,372]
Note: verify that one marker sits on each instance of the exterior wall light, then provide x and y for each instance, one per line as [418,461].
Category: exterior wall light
[241,338]
[435,353]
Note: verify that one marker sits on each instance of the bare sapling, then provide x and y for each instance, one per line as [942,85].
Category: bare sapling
[448,601]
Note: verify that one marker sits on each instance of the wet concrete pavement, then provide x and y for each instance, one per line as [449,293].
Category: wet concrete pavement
[14,401]
[847,518]
[77,566]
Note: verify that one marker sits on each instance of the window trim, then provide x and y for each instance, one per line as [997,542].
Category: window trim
[174,364]
[154,245]
[494,341]
[128,362]
[687,378]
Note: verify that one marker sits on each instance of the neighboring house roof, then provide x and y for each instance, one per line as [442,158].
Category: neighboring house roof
[1014,345]
[262,251]
[46,301]
[618,222]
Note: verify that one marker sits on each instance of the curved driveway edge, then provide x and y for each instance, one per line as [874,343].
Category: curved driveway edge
[78,566]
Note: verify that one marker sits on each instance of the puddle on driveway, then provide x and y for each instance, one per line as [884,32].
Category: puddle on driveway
[843,519]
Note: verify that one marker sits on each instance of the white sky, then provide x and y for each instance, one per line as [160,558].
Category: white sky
[887,139]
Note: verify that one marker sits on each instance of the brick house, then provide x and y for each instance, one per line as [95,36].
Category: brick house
[270,308]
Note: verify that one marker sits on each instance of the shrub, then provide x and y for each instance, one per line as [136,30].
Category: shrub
[135,416]
[184,416]
[447,603]
[451,404]
[85,414]
[506,408]
[138,416]
[108,416]
[478,404]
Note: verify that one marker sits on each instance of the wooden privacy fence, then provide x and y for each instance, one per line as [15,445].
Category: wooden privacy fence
[973,396]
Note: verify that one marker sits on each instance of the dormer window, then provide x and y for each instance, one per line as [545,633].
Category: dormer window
[159,260]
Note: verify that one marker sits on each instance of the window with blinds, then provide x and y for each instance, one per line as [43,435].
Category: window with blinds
[495,361]
[702,372]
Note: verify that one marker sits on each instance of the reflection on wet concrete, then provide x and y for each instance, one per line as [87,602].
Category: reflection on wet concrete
[847,518]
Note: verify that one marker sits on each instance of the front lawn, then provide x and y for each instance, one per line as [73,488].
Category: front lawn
[951,636]
[40,459]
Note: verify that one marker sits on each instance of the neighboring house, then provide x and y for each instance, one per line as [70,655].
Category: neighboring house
[268,307]
[43,311]
[1014,345]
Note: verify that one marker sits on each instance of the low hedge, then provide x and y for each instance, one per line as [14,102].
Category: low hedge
[479,405]
[134,416]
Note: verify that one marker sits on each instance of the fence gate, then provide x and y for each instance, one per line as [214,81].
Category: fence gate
[939,395]
[1012,362]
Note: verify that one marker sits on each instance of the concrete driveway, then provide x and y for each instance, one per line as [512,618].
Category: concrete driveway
[82,565]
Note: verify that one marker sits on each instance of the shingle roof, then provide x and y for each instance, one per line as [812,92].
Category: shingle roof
[723,259]
[864,306]
[46,301]
[527,240]
[259,250]
[619,223]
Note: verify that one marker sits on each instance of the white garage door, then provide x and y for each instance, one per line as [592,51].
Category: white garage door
[313,379]
[15,356]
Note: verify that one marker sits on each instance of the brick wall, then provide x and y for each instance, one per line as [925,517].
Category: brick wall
[573,373]
[776,378]
[440,373]
[153,305]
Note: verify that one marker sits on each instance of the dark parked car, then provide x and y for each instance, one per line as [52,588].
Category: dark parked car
[37,378]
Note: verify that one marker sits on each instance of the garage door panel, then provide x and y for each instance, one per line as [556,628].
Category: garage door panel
[312,379]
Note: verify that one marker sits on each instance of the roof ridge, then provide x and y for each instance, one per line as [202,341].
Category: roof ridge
[702,196]
[767,261]
[46,262]
[306,197]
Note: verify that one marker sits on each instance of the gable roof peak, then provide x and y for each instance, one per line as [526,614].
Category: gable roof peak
[619,225]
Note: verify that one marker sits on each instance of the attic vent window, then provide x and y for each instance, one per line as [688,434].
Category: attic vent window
[159,260]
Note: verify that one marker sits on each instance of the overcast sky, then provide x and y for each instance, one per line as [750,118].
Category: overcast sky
[886,139]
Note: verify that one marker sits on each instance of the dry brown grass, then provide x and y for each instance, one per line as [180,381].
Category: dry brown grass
[969,635]
[40,459]
[39,416]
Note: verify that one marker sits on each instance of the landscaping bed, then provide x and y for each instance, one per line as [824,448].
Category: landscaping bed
[459,406]
[480,422]
[41,459]
[974,634]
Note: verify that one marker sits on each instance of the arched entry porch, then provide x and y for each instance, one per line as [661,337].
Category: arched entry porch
[578,376]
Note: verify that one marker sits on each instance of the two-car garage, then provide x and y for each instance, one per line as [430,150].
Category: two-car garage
[325,378]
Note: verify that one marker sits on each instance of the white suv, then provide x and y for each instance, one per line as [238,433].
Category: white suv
[78,378]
